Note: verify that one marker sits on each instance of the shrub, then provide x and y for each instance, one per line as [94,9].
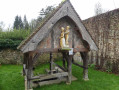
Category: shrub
[12,38]
[15,34]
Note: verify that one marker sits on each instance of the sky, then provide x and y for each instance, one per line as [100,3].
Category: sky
[31,8]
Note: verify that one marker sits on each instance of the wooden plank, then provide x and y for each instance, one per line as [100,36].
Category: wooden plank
[78,65]
[80,50]
[48,50]
[59,80]
[57,75]
[56,50]
[36,57]
[62,68]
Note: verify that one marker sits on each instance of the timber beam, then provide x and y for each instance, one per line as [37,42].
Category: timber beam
[56,50]
[46,77]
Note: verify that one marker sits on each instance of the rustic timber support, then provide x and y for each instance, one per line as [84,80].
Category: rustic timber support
[29,71]
[84,56]
[73,62]
[36,56]
[64,61]
[25,69]
[69,66]
[51,63]
[62,68]
[25,63]
[47,77]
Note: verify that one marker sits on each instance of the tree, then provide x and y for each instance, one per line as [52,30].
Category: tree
[25,23]
[33,24]
[46,11]
[18,24]
[1,26]
[43,14]
[98,9]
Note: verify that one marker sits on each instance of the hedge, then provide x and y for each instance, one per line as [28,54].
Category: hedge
[12,38]
[9,43]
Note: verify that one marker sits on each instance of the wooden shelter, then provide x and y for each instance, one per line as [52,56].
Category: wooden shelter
[46,39]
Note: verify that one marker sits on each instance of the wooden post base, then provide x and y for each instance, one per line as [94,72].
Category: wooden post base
[85,75]
[86,79]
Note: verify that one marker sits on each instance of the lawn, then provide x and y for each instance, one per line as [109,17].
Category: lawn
[12,79]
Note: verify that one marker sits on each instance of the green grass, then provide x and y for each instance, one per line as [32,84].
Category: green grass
[11,79]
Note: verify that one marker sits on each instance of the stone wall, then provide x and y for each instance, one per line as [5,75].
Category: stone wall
[9,56]
[104,30]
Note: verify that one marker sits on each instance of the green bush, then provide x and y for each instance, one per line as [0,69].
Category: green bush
[15,34]
[9,43]
[12,38]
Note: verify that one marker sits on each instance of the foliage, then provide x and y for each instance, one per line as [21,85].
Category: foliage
[42,15]
[25,23]
[92,66]
[46,11]
[12,79]
[98,9]
[11,39]
[33,24]
[18,24]
[9,43]
[1,26]
[15,34]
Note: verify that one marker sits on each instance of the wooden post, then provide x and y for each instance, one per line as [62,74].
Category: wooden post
[84,56]
[25,69]
[69,67]
[30,71]
[64,60]
[25,63]
[51,63]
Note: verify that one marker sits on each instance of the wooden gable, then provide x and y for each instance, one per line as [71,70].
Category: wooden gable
[47,36]
[52,39]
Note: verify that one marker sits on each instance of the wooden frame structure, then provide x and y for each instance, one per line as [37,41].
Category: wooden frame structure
[46,40]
